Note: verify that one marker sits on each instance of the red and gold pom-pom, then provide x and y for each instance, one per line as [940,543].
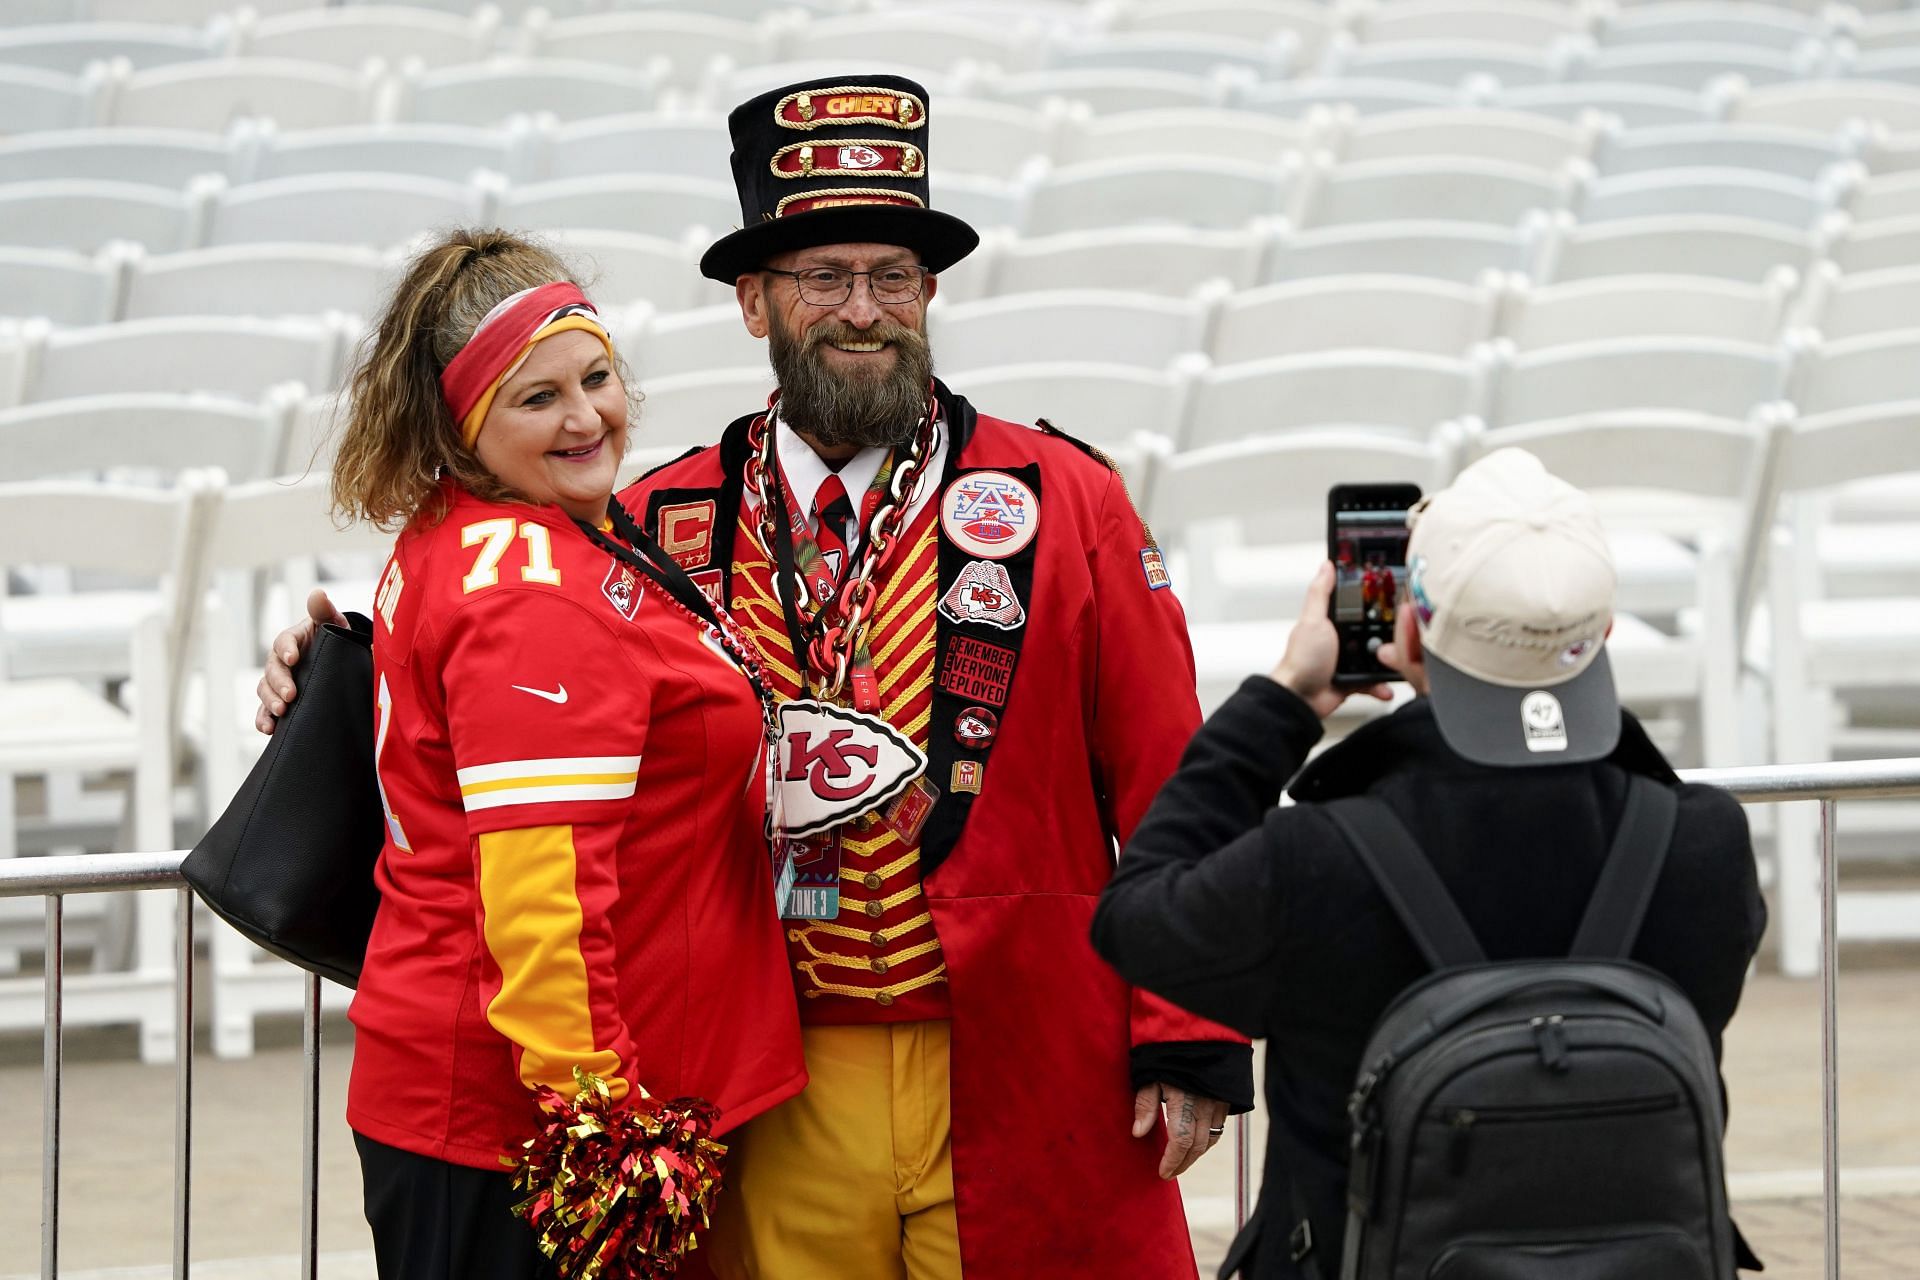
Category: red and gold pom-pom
[617,1192]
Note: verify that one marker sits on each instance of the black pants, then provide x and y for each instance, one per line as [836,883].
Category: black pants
[437,1221]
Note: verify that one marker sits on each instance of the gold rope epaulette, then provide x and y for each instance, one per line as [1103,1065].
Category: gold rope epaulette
[1105,459]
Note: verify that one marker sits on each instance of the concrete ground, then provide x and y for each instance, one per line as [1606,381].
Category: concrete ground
[118,1148]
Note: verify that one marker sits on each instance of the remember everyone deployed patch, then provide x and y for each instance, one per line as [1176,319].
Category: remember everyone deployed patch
[977,670]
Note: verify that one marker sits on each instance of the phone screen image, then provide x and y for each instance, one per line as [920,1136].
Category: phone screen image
[1367,542]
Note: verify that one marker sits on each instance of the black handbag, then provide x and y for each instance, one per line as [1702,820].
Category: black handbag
[290,863]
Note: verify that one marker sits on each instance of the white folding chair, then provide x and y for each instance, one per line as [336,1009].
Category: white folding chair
[1787,153]
[676,145]
[1637,106]
[1442,189]
[448,153]
[1503,137]
[1207,193]
[982,202]
[1822,106]
[155,433]
[374,209]
[738,10]
[212,94]
[356,34]
[1530,24]
[1715,377]
[1693,68]
[263,527]
[1864,303]
[1216,133]
[60,286]
[189,12]
[1105,89]
[700,340]
[1374,312]
[1725,193]
[1076,325]
[1727,248]
[1876,32]
[682,410]
[1187,53]
[1244,525]
[1308,25]
[988,139]
[693,43]
[68,48]
[729,87]
[1459,251]
[1693,22]
[1107,405]
[60,727]
[1885,245]
[927,38]
[1842,670]
[1629,306]
[1388,393]
[223,355]
[1153,259]
[645,204]
[32,99]
[257,280]
[1361,96]
[1878,199]
[156,157]
[485,93]
[84,214]
[622,267]
[1446,62]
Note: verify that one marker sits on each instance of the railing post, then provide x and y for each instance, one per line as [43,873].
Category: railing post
[310,1135]
[52,1051]
[183,1085]
[1830,1035]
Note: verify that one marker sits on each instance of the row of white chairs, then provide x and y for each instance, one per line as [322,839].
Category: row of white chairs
[1320,36]
[978,139]
[299,93]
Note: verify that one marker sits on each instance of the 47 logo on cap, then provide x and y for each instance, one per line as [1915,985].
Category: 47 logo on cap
[991,514]
[836,764]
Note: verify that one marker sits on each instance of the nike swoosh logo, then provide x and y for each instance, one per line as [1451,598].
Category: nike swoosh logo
[558,697]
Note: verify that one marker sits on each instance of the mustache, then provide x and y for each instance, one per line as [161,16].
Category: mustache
[891,331]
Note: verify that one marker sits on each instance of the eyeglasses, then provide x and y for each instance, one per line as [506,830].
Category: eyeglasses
[831,286]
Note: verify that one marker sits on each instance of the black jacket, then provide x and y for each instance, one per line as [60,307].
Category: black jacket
[1262,917]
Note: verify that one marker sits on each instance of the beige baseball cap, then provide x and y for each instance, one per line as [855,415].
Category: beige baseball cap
[1512,584]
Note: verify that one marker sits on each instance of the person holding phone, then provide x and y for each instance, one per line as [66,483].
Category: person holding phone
[575,891]
[1510,769]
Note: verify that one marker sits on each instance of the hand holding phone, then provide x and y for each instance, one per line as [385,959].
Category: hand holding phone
[1367,543]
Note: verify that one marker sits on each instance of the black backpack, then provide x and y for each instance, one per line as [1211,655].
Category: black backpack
[1534,1119]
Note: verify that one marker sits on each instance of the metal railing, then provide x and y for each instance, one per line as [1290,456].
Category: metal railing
[56,877]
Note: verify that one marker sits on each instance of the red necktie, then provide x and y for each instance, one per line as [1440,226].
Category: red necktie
[831,511]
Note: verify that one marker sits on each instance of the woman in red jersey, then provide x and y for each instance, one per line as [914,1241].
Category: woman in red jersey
[576,895]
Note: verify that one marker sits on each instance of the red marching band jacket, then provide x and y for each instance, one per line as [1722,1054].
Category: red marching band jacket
[1047,1040]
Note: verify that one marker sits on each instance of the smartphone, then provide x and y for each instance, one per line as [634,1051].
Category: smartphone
[1367,542]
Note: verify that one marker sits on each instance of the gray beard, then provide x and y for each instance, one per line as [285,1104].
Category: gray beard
[836,409]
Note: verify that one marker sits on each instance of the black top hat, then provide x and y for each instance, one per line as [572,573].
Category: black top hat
[837,161]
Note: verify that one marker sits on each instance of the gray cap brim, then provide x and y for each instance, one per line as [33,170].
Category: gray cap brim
[1574,722]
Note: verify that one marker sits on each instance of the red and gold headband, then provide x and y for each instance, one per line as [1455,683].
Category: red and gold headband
[502,343]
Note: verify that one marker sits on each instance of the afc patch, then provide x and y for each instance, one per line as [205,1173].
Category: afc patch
[623,590]
[1156,569]
[977,670]
[990,514]
[686,533]
[984,593]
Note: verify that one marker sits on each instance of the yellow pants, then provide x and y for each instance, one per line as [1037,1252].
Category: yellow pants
[852,1179]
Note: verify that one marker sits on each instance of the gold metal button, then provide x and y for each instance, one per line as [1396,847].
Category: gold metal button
[884,998]
[877,939]
[875,910]
[871,880]
[878,965]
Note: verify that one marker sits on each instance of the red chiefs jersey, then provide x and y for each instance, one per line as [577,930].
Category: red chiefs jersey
[574,873]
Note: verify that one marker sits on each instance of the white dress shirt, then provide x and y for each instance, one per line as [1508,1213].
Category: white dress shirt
[806,471]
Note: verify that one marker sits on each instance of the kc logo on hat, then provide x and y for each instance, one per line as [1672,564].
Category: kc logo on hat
[857,174]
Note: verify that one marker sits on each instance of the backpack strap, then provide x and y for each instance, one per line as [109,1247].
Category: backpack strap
[1632,868]
[1407,878]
